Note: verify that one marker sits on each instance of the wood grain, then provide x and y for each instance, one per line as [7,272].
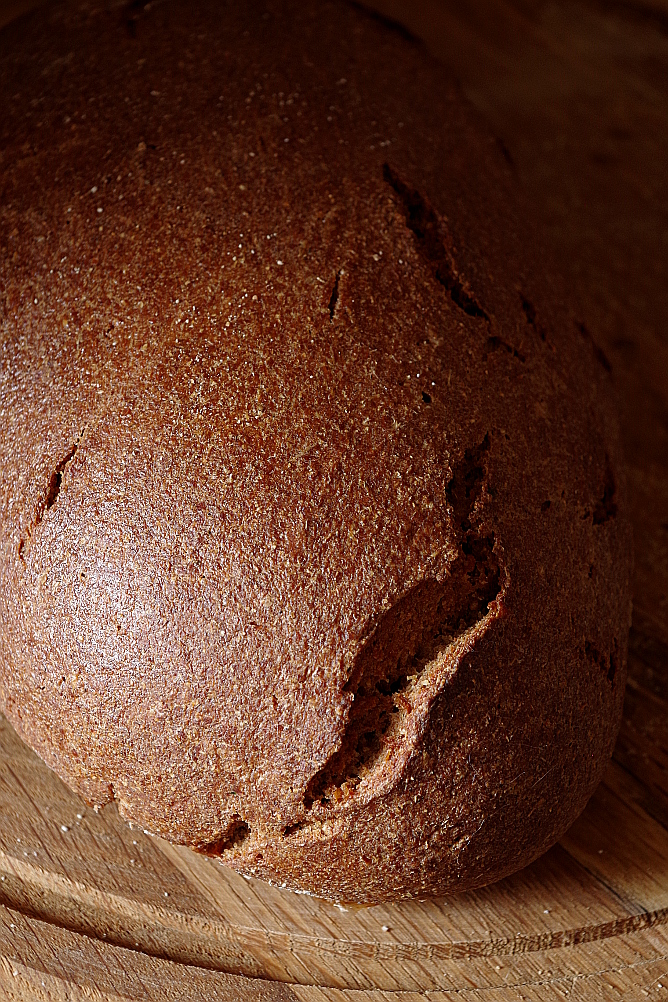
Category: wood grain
[90,908]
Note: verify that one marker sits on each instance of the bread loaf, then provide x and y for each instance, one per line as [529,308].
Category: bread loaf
[314,546]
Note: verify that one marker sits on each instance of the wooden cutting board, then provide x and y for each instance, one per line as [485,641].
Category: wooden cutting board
[91,908]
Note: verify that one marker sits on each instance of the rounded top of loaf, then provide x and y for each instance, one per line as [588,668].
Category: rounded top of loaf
[312,521]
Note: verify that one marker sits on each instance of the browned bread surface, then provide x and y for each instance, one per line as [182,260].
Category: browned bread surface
[314,548]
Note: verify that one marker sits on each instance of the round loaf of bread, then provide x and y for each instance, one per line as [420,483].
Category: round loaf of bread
[314,547]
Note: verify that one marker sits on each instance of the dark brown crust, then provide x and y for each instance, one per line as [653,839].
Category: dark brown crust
[314,545]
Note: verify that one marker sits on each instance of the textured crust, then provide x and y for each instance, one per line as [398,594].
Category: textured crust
[314,547]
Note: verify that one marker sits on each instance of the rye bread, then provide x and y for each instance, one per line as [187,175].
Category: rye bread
[314,545]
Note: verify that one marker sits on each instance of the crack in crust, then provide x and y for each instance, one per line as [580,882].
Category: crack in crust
[532,317]
[599,354]
[434,243]
[404,660]
[607,663]
[334,298]
[436,248]
[236,832]
[50,495]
